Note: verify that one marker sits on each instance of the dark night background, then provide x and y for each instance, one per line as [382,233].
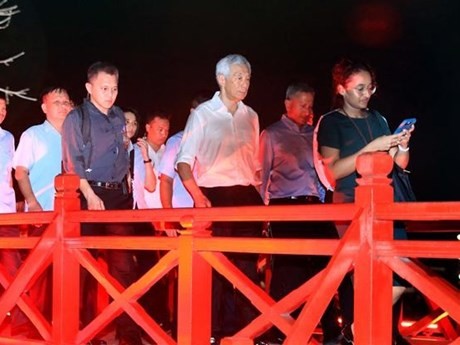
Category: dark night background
[167,50]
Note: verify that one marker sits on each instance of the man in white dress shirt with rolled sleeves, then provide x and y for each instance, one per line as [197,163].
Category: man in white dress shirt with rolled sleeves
[221,144]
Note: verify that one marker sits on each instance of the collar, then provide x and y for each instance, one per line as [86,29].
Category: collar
[130,146]
[216,104]
[92,108]
[49,127]
[153,153]
[293,126]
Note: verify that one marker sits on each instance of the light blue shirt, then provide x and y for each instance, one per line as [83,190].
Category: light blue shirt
[180,197]
[286,154]
[39,151]
[7,197]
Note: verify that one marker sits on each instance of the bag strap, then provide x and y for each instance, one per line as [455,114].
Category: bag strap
[325,178]
[131,163]
[380,118]
[85,121]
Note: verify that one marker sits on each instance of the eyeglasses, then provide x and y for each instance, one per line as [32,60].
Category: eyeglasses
[61,104]
[370,89]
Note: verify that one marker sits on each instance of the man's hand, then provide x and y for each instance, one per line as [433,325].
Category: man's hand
[34,206]
[94,202]
[200,200]
[144,148]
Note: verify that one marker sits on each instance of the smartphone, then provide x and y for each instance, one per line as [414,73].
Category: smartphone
[405,124]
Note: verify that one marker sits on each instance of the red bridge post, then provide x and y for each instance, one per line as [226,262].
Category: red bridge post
[194,288]
[66,269]
[372,278]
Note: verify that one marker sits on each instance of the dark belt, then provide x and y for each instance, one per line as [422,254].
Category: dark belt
[106,185]
[309,199]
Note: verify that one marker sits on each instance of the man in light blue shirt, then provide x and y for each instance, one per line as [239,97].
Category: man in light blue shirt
[289,178]
[37,159]
[286,150]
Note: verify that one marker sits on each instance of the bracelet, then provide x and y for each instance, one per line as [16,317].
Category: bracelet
[148,161]
[403,149]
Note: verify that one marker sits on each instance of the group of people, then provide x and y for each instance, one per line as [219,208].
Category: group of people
[219,159]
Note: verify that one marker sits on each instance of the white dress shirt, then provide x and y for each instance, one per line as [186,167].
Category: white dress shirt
[223,147]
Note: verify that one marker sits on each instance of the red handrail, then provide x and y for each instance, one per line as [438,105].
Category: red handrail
[368,248]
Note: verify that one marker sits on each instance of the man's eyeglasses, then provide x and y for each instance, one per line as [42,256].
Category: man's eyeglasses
[62,104]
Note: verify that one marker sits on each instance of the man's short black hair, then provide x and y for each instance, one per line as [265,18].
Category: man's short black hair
[157,114]
[101,66]
[298,87]
[50,89]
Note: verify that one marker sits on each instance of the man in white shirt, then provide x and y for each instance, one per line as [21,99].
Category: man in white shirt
[221,143]
[147,157]
[148,154]
[172,191]
[7,196]
[9,258]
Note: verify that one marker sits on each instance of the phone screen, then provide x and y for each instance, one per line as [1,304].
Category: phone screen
[406,124]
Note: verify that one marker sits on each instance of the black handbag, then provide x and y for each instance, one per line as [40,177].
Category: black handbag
[401,184]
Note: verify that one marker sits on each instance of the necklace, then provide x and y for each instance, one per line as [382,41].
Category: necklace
[358,129]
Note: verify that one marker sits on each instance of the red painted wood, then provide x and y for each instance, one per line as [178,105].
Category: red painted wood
[367,248]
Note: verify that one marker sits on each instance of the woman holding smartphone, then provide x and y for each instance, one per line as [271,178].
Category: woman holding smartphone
[348,131]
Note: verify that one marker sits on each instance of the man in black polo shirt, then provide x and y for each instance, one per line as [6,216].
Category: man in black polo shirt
[93,147]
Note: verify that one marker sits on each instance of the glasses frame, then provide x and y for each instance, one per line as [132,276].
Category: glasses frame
[370,89]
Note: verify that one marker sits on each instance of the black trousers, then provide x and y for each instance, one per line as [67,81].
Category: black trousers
[230,310]
[291,271]
[120,263]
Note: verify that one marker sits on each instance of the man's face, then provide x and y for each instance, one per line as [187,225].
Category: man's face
[2,110]
[157,132]
[235,87]
[300,108]
[103,91]
[56,105]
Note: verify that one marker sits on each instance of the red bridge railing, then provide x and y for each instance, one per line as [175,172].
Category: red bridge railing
[368,248]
